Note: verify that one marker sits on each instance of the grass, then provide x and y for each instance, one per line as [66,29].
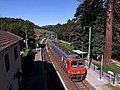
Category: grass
[114,68]
[113,87]
[41,30]
[65,44]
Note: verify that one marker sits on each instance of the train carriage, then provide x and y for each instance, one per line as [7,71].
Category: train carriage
[73,66]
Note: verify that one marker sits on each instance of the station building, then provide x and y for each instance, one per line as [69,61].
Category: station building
[10,61]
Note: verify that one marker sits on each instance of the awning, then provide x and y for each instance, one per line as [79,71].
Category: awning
[79,52]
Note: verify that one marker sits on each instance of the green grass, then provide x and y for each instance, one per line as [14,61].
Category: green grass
[114,68]
[64,42]
[113,87]
[25,52]
[41,30]
[66,45]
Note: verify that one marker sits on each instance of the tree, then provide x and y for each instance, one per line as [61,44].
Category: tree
[91,13]
[108,35]
[18,26]
[116,31]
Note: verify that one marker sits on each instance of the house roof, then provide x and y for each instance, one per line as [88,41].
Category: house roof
[37,33]
[7,39]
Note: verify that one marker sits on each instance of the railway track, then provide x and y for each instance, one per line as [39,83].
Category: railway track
[53,81]
[82,85]
[45,70]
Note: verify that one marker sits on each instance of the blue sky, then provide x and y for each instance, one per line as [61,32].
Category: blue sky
[40,12]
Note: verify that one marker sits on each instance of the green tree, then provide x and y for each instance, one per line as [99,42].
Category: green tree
[18,27]
[91,13]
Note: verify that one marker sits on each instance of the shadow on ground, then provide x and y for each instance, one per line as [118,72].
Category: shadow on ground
[34,78]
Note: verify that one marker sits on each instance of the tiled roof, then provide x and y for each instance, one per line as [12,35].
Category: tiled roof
[37,33]
[7,39]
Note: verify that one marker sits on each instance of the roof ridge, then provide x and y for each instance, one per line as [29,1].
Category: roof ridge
[15,35]
[7,39]
[2,44]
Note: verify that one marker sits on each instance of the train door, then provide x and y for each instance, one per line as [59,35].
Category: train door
[64,64]
[68,67]
[61,59]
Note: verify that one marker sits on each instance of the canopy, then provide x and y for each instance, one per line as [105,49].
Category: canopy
[79,52]
[73,55]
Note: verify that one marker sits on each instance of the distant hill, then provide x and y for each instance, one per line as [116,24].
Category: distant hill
[19,27]
[19,21]
[49,27]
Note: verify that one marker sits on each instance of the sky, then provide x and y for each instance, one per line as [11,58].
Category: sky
[40,12]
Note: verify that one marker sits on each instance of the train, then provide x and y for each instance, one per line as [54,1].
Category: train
[72,65]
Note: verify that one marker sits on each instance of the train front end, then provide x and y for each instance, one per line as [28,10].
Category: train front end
[77,69]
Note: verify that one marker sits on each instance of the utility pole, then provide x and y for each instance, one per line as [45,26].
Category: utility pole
[89,47]
[82,49]
[56,35]
[26,38]
[108,35]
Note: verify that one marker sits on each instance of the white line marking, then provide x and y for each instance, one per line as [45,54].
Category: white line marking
[62,81]
[54,66]
[91,84]
[58,74]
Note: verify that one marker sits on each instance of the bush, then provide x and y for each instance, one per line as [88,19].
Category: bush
[25,52]
[114,68]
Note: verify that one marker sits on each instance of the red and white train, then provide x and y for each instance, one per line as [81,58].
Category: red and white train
[74,67]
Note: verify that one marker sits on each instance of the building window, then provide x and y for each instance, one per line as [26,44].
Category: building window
[7,64]
[15,53]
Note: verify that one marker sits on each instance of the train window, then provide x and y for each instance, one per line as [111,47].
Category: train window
[64,61]
[81,65]
[74,64]
[77,64]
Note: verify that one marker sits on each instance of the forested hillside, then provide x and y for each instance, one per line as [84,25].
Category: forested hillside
[18,27]
[91,13]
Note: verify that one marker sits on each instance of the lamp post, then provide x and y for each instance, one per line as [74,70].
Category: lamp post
[101,68]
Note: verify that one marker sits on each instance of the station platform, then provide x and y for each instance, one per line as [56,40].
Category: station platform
[35,78]
[93,77]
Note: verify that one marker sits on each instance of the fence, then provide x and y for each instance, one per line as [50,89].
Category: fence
[115,79]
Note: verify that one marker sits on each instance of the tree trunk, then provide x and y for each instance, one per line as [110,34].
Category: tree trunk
[108,35]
